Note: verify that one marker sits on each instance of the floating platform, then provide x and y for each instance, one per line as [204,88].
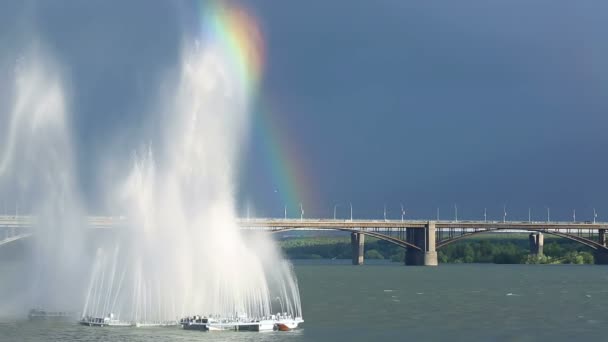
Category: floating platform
[155,324]
[273,323]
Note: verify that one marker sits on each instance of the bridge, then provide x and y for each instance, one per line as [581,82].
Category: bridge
[420,238]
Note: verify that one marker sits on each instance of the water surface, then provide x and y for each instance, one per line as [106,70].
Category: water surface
[395,303]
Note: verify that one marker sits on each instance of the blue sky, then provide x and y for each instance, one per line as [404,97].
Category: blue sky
[478,103]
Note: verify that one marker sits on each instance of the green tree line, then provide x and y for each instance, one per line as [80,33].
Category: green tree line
[512,249]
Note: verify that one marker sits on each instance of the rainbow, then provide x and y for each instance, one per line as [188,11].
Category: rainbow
[236,30]
[284,161]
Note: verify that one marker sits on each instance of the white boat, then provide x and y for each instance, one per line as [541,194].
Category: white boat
[108,321]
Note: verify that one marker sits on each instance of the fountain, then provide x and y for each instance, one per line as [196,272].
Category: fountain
[37,172]
[181,252]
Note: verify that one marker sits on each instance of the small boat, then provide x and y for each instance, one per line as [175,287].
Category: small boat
[108,321]
[39,314]
[283,327]
[195,323]
[287,323]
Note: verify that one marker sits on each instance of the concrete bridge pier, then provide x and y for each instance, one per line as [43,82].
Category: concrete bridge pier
[537,242]
[425,239]
[357,243]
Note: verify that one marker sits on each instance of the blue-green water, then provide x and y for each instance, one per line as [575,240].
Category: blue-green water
[390,302]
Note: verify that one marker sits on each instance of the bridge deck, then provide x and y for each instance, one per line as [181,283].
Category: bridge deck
[111,222]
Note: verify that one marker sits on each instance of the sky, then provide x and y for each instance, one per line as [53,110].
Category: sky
[475,103]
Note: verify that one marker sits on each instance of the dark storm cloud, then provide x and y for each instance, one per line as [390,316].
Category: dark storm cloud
[478,103]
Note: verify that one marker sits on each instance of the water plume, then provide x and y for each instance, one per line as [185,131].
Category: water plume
[182,252]
[37,171]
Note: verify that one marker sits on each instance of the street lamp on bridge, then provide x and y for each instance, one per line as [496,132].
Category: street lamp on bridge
[455,212]
[548,214]
[402,212]
[385,213]
[335,206]
[594,215]
[504,213]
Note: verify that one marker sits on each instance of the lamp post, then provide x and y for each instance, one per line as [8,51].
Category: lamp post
[594,215]
[504,213]
[548,214]
[573,215]
[301,212]
[351,211]
[455,212]
[385,213]
[402,212]
[485,215]
[335,206]
[529,215]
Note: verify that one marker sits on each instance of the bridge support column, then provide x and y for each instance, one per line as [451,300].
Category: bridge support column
[425,239]
[357,243]
[430,256]
[537,242]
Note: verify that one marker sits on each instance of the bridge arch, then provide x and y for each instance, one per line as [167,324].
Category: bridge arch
[377,235]
[380,236]
[584,241]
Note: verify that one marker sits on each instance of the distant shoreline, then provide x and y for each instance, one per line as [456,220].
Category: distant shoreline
[491,249]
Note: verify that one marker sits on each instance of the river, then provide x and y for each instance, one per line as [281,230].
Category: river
[391,302]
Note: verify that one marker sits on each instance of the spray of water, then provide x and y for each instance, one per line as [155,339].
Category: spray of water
[37,172]
[182,252]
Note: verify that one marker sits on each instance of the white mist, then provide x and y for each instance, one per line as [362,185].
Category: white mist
[182,252]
